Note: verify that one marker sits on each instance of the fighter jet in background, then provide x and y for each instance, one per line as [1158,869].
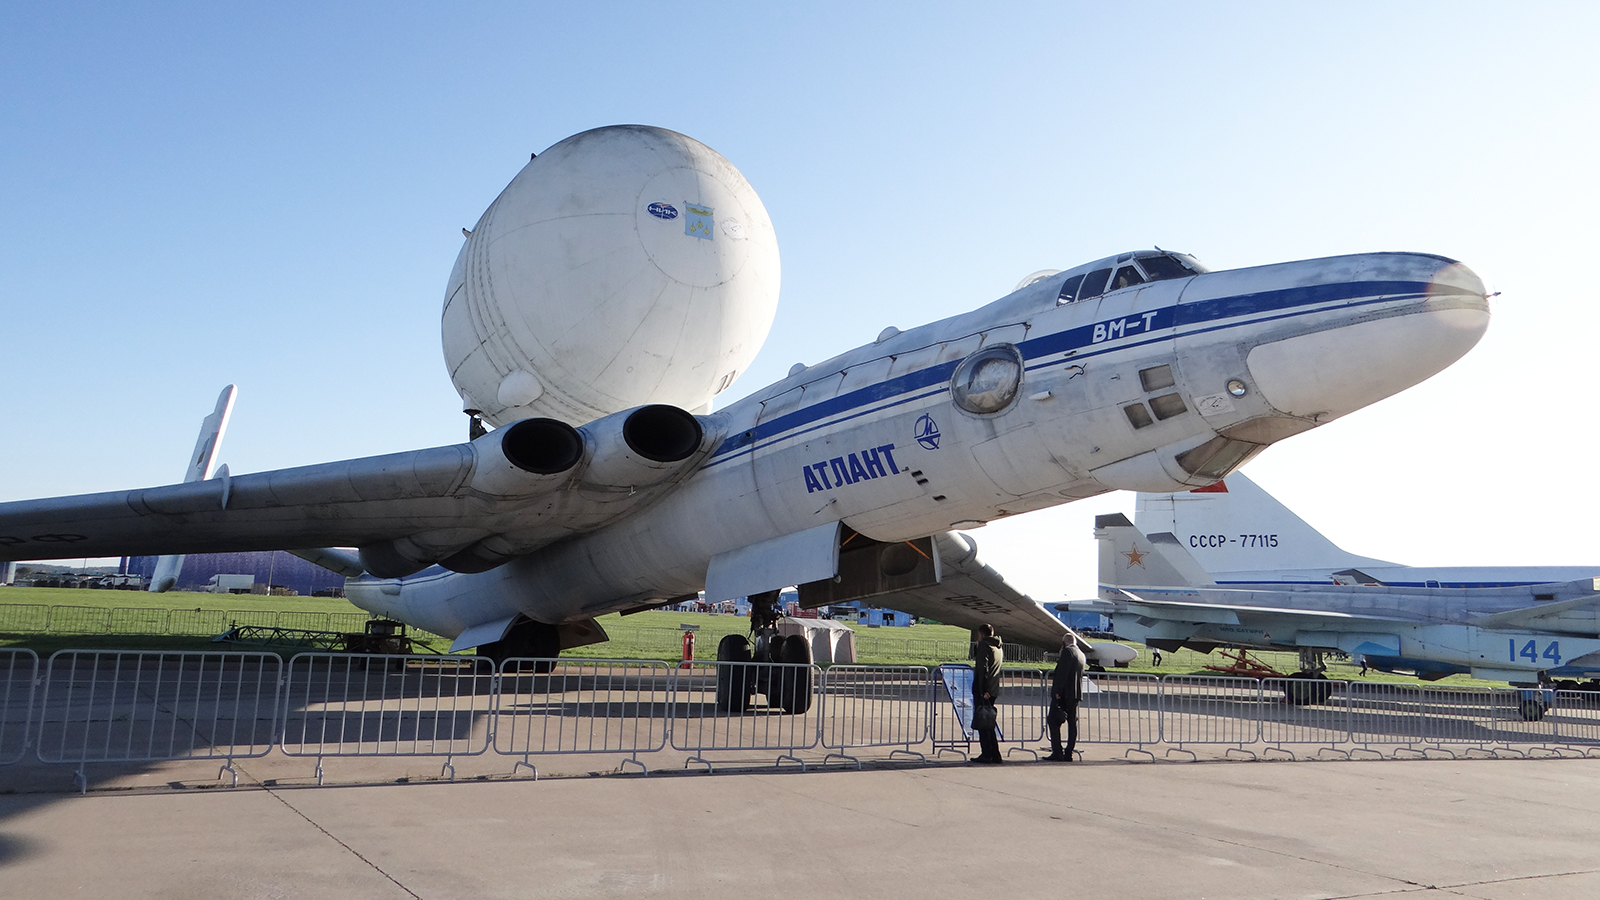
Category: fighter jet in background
[1158,595]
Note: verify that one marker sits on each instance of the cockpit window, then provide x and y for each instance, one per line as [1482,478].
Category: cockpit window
[1127,276]
[1161,268]
[1069,290]
[1094,284]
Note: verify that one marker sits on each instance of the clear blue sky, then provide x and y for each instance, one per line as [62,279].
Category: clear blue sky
[273,195]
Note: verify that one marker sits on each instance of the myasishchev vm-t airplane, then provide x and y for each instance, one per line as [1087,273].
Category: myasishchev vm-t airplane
[605,489]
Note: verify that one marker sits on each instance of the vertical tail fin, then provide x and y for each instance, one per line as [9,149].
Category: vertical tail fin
[1129,559]
[201,466]
[1235,526]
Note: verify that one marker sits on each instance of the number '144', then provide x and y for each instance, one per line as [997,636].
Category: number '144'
[1530,651]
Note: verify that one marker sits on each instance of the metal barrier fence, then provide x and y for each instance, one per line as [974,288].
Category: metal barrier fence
[1120,709]
[29,618]
[714,707]
[875,706]
[117,706]
[1576,718]
[582,706]
[1198,709]
[1019,712]
[19,673]
[128,707]
[381,705]
[1323,725]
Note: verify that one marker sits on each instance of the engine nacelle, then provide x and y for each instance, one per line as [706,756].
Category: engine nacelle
[640,448]
[622,267]
[524,458]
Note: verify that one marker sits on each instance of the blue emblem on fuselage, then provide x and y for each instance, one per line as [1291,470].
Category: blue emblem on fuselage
[927,433]
[663,210]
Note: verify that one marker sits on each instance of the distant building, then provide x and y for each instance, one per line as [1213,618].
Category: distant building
[269,567]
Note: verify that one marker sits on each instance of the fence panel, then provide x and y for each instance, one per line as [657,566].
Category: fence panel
[135,620]
[378,705]
[79,619]
[23,618]
[1019,714]
[267,618]
[1528,715]
[130,706]
[716,706]
[303,620]
[875,706]
[1024,702]
[1461,715]
[1200,709]
[1304,711]
[1120,709]
[347,622]
[1384,714]
[1576,717]
[197,622]
[19,672]
[582,706]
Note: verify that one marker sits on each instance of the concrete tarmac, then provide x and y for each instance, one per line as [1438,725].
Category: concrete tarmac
[1486,829]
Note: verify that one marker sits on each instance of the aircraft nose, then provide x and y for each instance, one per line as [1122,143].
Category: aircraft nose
[1413,316]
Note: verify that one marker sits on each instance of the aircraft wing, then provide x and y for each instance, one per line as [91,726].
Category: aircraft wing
[1529,616]
[1224,613]
[970,593]
[466,506]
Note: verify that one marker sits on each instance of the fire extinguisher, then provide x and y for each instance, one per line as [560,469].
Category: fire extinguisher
[688,647]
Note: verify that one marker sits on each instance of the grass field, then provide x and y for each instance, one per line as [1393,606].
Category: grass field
[647,635]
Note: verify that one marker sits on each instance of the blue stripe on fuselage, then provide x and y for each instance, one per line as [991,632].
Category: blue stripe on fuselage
[1071,339]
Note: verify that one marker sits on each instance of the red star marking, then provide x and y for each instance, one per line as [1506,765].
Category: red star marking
[1135,558]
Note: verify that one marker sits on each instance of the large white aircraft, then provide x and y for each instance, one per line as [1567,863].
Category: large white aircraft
[1242,536]
[625,276]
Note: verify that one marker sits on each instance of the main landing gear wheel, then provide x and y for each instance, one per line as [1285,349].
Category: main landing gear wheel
[1531,710]
[792,686]
[1307,689]
[735,684]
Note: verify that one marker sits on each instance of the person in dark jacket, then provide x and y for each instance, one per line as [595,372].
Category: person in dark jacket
[1066,690]
[987,657]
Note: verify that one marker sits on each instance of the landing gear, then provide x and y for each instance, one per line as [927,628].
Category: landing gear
[1309,686]
[787,687]
[526,639]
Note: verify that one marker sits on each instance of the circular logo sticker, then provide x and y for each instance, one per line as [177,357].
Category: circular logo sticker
[663,210]
[733,228]
[927,433]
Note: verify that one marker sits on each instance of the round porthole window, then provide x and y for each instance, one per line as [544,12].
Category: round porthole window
[987,382]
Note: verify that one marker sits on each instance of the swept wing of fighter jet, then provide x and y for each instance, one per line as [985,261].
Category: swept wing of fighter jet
[1141,371]
[1160,596]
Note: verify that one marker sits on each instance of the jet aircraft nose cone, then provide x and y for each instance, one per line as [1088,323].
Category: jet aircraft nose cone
[1407,317]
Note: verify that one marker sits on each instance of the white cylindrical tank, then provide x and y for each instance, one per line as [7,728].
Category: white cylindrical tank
[623,266]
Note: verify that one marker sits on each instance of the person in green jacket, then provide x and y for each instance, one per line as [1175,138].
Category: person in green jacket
[986,661]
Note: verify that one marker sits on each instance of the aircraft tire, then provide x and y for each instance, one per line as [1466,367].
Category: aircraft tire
[794,685]
[1306,689]
[734,684]
[1531,710]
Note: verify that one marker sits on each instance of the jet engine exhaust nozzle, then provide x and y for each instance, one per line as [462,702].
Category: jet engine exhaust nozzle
[542,446]
[661,433]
